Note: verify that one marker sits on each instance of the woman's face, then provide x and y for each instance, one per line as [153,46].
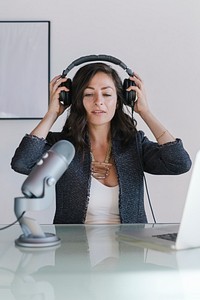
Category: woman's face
[100,99]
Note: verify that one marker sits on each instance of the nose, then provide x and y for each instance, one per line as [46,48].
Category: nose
[98,99]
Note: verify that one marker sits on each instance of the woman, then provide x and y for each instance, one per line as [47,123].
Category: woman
[104,182]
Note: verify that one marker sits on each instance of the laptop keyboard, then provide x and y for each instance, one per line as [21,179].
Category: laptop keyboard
[167,236]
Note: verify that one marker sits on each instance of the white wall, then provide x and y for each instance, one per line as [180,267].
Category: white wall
[159,39]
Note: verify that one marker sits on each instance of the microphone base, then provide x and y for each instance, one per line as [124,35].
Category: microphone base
[30,241]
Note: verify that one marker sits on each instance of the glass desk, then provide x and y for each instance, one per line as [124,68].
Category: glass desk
[93,264]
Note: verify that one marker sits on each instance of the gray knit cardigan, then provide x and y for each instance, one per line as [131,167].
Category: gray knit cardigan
[73,188]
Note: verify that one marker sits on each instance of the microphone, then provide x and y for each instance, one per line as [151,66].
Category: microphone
[50,168]
[38,189]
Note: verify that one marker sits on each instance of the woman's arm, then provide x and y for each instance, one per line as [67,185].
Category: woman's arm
[167,159]
[54,111]
[28,153]
[34,145]
[168,155]
[161,134]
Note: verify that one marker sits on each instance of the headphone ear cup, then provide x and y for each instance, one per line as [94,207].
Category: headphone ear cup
[129,96]
[66,97]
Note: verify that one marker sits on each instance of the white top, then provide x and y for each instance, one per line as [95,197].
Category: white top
[103,207]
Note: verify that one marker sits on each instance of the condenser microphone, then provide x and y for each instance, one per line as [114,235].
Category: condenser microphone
[38,190]
[50,168]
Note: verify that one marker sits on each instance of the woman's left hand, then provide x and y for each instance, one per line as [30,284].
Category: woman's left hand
[141,105]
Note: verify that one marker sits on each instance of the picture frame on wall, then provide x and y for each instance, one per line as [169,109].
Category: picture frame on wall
[24,69]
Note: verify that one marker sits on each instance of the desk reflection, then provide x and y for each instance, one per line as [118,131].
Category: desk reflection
[17,269]
[91,263]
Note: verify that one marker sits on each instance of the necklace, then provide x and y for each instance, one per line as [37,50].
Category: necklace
[101,170]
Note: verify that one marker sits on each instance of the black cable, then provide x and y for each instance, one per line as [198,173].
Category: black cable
[9,225]
[148,197]
[145,180]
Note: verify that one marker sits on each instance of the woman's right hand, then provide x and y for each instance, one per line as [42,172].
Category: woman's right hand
[55,106]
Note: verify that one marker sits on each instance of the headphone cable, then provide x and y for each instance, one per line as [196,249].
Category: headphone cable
[145,180]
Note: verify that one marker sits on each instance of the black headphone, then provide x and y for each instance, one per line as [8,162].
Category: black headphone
[129,97]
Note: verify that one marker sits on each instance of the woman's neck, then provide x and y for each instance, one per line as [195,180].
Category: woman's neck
[99,135]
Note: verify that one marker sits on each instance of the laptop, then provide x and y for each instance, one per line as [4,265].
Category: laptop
[181,236]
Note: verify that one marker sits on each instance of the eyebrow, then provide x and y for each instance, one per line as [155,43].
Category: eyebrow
[103,88]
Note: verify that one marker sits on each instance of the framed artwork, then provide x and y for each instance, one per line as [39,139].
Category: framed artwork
[24,69]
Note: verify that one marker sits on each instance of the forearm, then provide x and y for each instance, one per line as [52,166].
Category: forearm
[28,153]
[44,126]
[161,134]
[54,111]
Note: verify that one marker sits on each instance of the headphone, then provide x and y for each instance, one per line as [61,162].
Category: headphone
[129,97]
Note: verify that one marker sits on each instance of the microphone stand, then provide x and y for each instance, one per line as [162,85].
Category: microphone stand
[33,235]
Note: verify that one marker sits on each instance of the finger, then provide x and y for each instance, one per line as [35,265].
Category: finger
[138,82]
[136,75]
[62,88]
[56,83]
[54,80]
[132,88]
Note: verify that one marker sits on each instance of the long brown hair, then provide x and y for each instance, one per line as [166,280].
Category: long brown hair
[75,126]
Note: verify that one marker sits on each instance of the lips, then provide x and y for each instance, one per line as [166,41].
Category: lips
[98,112]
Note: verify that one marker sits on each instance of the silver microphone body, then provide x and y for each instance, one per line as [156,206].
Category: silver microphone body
[49,169]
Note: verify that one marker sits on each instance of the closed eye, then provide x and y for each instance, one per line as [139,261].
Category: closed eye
[107,95]
[88,95]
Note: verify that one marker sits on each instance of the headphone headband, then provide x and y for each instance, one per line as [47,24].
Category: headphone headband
[100,57]
[129,96]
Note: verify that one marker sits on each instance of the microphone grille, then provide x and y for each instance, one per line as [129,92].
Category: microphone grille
[65,149]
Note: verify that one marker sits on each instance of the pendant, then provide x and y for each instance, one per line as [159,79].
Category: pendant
[100,170]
